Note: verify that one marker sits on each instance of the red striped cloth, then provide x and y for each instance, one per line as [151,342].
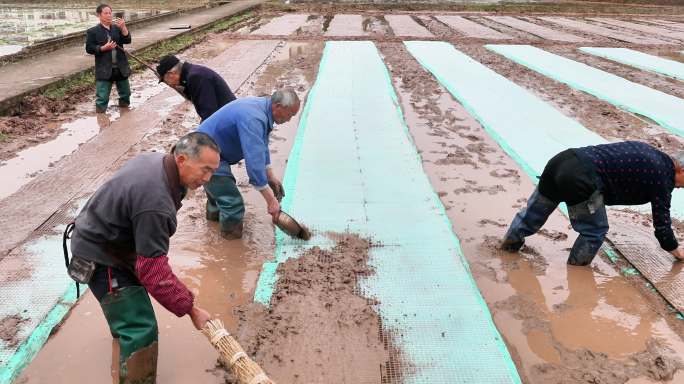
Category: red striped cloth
[156,276]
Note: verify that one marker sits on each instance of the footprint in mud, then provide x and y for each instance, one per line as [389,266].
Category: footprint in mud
[553,234]
[505,173]
[492,190]
[458,156]
[484,222]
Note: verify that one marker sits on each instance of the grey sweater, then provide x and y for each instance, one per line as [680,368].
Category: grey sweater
[133,213]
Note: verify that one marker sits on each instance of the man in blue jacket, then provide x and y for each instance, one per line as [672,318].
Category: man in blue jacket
[241,129]
[205,88]
[106,41]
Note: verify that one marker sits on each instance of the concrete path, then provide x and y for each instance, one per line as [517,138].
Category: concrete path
[28,75]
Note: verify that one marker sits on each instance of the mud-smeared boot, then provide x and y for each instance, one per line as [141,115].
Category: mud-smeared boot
[100,110]
[231,231]
[511,245]
[141,366]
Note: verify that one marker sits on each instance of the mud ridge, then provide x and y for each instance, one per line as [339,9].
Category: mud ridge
[319,328]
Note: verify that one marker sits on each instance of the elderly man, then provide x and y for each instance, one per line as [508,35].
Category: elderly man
[121,242]
[588,179]
[241,130]
[205,88]
[111,64]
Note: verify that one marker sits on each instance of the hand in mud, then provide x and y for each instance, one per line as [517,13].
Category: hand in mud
[277,188]
[111,44]
[199,317]
[678,254]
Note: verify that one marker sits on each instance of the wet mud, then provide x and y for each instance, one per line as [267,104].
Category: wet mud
[318,328]
[38,121]
[10,326]
[561,323]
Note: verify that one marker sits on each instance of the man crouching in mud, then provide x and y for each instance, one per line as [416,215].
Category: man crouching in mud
[589,178]
[122,235]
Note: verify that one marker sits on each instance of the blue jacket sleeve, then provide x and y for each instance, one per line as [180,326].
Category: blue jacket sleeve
[255,150]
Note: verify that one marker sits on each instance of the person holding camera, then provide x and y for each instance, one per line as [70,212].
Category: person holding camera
[106,41]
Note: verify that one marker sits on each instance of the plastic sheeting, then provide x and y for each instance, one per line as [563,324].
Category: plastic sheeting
[664,109]
[634,38]
[536,29]
[471,28]
[671,68]
[354,168]
[529,130]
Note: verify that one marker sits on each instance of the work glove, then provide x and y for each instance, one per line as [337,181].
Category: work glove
[277,188]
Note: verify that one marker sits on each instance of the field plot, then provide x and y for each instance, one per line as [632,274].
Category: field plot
[419,138]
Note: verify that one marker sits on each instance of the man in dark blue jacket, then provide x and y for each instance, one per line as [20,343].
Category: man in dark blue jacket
[589,178]
[205,88]
[106,41]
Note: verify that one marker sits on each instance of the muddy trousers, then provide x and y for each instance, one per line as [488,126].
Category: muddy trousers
[103,88]
[590,221]
[224,202]
[132,323]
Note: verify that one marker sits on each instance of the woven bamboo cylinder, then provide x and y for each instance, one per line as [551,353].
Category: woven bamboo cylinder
[233,356]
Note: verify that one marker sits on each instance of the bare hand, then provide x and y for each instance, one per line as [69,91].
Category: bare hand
[678,254]
[108,47]
[274,209]
[120,22]
[199,317]
[277,188]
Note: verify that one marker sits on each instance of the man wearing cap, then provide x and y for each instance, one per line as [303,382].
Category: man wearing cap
[205,88]
[120,241]
[241,130]
[106,41]
[589,178]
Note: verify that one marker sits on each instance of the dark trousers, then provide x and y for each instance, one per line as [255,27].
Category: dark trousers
[588,218]
[224,202]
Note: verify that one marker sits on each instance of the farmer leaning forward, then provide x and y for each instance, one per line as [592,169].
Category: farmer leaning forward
[241,130]
[123,234]
[205,88]
[106,41]
[588,179]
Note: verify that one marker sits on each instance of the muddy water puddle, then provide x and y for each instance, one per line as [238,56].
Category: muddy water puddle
[558,321]
[30,162]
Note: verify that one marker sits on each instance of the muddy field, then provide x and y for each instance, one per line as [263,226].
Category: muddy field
[561,324]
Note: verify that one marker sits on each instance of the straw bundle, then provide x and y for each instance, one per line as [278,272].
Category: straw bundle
[233,356]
